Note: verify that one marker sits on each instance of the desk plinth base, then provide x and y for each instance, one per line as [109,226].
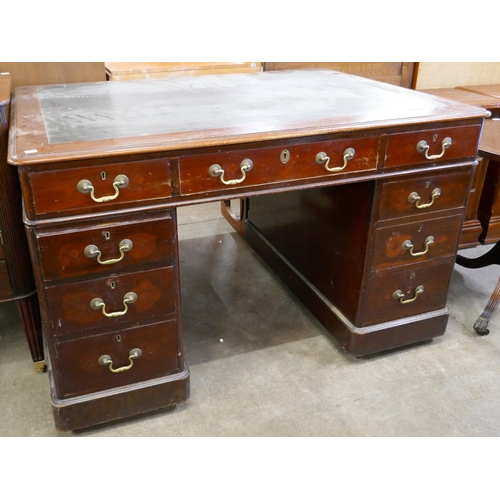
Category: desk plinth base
[114,404]
[356,341]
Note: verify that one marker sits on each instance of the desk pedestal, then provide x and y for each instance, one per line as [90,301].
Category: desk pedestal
[341,250]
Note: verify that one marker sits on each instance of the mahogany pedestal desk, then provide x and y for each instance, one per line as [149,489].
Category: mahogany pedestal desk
[357,195]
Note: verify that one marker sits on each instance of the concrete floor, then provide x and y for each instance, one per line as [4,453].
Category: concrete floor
[277,372]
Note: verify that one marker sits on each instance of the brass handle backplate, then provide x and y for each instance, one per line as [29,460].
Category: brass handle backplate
[85,186]
[92,251]
[415,198]
[423,147]
[324,158]
[408,245]
[128,298]
[105,360]
[217,171]
[399,295]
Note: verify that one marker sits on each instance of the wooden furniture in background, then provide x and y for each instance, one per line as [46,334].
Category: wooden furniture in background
[473,230]
[393,166]
[489,149]
[395,73]
[16,276]
[148,70]
[483,100]
[489,205]
[435,75]
[45,73]
[486,91]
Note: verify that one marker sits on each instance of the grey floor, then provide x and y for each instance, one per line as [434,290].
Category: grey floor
[261,365]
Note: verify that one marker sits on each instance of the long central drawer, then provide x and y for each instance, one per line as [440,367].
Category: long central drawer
[210,172]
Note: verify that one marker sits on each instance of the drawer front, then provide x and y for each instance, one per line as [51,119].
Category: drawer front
[276,164]
[424,194]
[78,360]
[58,191]
[5,288]
[73,311]
[382,305]
[428,146]
[90,250]
[416,242]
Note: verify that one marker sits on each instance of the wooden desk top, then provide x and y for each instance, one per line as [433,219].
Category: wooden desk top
[490,90]
[489,144]
[68,122]
[5,86]
[467,97]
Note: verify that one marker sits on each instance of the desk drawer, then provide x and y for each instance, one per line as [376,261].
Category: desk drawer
[402,148]
[78,360]
[276,164]
[72,312]
[75,252]
[382,305]
[416,242]
[59,191]
[424,194]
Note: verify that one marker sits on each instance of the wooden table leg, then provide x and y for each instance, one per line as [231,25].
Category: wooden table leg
[29,313]
[237,222]
[481,323]
[489,258]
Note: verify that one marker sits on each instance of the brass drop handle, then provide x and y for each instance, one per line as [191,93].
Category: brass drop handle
[92,251]
[217,171]
[423,147]
[85,186]
[399,295]
[128,298]
[106,360]
[415,198]
[408,245]
[324,158]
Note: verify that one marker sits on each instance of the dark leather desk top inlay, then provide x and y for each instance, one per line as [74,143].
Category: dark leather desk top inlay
[162,115]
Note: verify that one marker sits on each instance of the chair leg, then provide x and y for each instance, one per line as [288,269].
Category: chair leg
[481,324]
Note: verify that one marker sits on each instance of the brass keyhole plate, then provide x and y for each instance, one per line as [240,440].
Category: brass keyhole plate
[285,156]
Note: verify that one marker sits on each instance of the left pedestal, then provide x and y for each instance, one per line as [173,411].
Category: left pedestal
[110,297]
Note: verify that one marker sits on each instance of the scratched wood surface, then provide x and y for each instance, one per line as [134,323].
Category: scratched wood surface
[60,122]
